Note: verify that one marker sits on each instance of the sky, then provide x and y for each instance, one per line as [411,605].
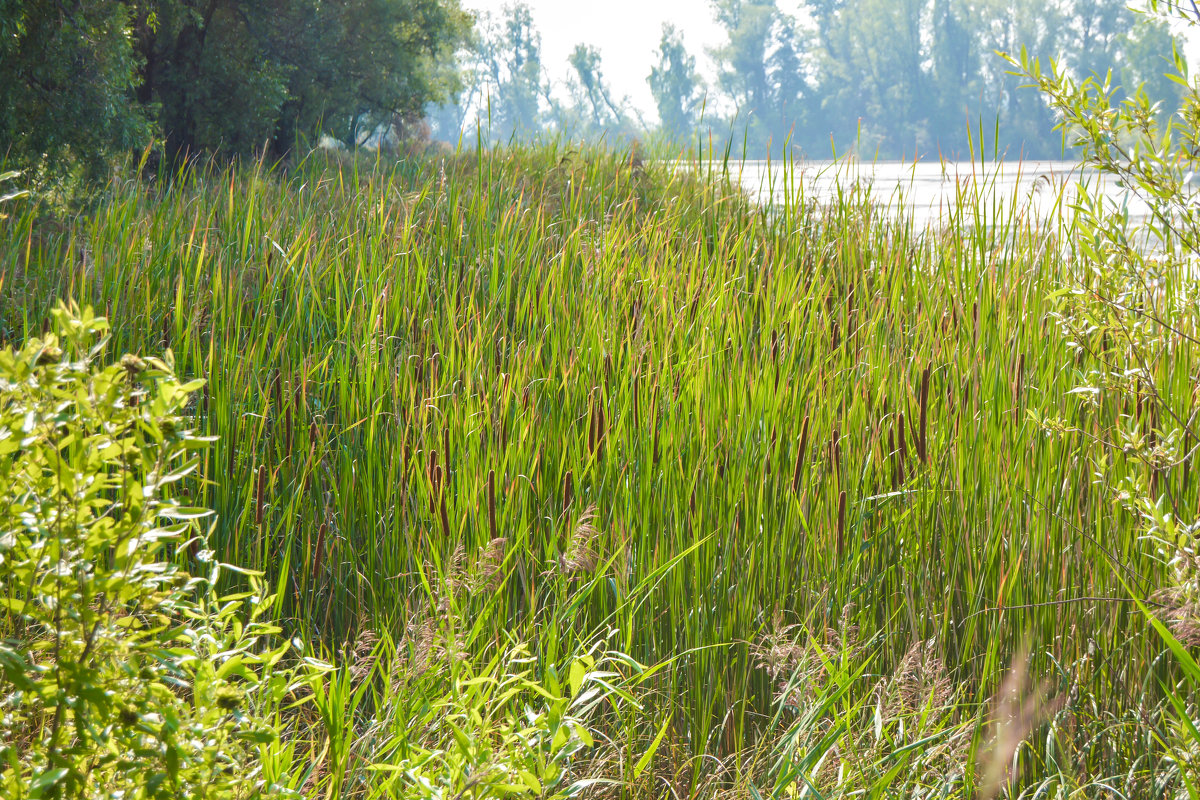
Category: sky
[626,32]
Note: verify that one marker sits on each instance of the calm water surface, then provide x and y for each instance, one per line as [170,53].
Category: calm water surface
[926,191]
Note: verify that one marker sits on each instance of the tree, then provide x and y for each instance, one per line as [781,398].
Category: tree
[597,112]
[742,60]
[67,74]
[516,84]
[80,81]
[789,84]
[1146,62]
[675,85]
[231,75]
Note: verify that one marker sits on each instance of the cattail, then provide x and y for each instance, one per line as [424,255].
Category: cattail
[770,450]
[435,481]
[922,440]
[233,437]
[654,419]
[319,553]
[491,498]
[601,428]
[260,495]
[567,491]
[835,450]
[800,456]
[975,319]
[444,515]
[637,415]
[895,461]
[841,523]
[591,444]
[287,428]
[775,356]
[446,447]
[1020,377]
[903,444]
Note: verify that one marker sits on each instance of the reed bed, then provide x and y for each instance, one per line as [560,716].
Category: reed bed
[788,454]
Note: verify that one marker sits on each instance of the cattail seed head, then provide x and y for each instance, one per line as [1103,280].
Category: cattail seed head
[260,495]
[922,442]
[800,456]
[491,499]
[841,523]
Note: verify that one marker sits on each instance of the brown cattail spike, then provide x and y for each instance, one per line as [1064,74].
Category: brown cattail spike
[260,495]
[491,490]
[800,456]
[601,427]
[435,473]
[319,551]
[923,430]
[591,443]
[1019,379]
[841,523]
[637,416]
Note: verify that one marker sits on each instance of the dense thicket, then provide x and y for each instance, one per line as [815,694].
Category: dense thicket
[80,81]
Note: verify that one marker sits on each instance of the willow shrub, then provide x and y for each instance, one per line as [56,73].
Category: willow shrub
[122,674]
[1130,308]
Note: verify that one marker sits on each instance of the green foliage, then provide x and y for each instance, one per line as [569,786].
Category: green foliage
[231,76]
[499,732]
[83,83]
[66,78]
[120,674]
[1129,309]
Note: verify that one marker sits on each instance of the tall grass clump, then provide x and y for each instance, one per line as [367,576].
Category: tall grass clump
[778,470]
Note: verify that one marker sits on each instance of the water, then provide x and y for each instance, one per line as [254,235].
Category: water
[927,190]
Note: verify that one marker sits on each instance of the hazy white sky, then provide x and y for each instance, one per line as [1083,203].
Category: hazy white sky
[626,32]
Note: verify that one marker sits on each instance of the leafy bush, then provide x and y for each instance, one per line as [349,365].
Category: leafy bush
[1129,311]
[122,674]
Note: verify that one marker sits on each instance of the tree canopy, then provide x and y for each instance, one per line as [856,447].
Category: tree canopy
[89,78]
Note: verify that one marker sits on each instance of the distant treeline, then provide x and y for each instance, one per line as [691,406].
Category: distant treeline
[887,77]
[83,81]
